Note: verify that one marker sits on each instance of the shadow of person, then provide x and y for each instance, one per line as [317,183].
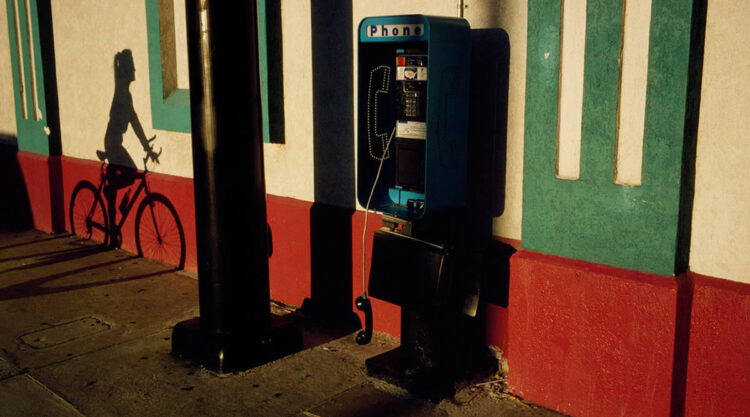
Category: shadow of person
[121,171]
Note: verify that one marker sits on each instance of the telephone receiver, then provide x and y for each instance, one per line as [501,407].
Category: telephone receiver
[365,335]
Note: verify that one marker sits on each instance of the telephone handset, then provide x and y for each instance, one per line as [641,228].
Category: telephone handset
[365,335]
[408,100]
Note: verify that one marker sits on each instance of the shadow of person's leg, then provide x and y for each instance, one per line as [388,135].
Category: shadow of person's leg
[110,194]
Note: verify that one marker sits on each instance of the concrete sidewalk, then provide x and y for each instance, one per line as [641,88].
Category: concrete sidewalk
[86,331]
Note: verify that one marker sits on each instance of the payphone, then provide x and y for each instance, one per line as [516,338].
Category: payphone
[413,112]
[413,88]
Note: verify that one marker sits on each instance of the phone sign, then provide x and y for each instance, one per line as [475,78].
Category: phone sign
[388,31]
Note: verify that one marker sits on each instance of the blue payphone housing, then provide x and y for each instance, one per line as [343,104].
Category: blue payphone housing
[412,129]
[413,113]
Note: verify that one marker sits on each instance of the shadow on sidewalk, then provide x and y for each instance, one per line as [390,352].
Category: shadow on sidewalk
[55,256]
[15,209]
[39,286]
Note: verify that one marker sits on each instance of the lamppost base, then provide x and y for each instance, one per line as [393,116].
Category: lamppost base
[235,352]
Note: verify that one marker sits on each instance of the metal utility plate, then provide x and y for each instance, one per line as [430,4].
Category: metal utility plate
[58,334]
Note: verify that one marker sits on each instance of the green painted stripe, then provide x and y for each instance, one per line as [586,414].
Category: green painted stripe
[173,112]
[592,218]
[30,132]
[167,113]
[271,70]
[13,58]
[263,54]
[600,90]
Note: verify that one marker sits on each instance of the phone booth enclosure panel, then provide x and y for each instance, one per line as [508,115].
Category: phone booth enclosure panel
[413,84]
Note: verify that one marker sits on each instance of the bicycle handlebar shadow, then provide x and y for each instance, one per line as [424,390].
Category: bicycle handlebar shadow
[158,231]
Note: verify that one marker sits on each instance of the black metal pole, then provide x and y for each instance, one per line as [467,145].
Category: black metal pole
[230,193]
[234,330]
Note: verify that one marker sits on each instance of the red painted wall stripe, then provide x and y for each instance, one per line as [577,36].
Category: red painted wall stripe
[178,190]
[590,340]
[35,169]
[718,374]
[290,263]
[497,326]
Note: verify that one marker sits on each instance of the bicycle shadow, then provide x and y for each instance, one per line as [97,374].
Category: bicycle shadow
[99,275]
[53,257]
[158,231]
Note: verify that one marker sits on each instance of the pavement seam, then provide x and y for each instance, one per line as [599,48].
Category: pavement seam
[11,376]
[14,372]
[67,403]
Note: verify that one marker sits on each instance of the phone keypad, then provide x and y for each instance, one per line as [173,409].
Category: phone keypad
[411,104]
[411,109]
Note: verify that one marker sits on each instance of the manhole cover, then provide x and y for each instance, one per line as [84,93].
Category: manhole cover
[58,334]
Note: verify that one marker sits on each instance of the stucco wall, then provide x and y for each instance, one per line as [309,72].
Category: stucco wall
[289,166]
[84,51]
[180,34]
[721,236]
[86,47]
[7,105]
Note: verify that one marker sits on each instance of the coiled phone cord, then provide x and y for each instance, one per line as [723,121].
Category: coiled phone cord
[362,302]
